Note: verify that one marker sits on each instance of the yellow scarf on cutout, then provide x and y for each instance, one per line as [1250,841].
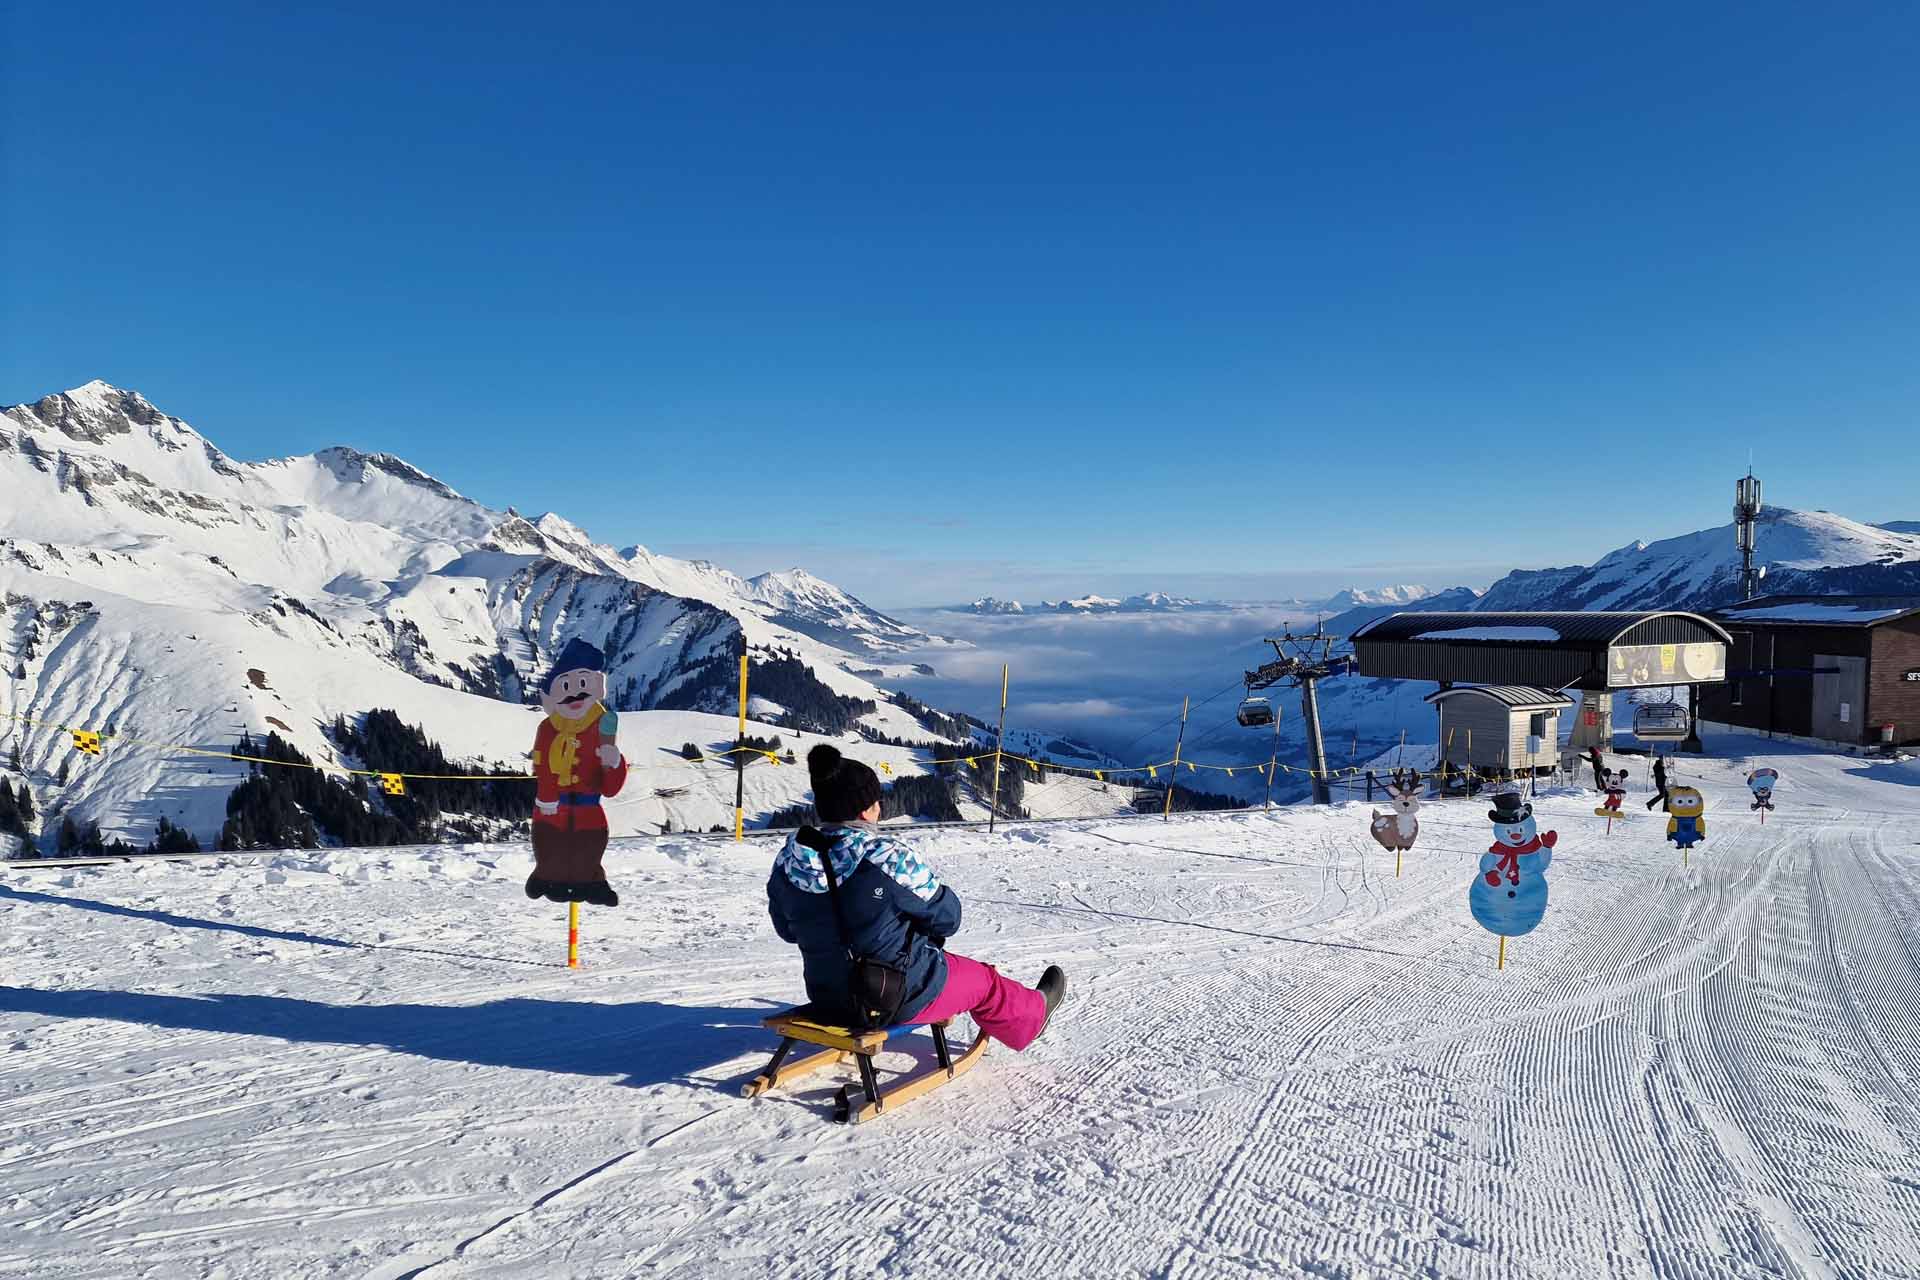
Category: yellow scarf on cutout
[563,756]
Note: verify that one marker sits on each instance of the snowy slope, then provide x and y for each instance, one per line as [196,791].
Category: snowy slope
[144,574]
[1275,1059]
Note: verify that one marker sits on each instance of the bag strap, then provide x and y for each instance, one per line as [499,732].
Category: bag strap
[817,841]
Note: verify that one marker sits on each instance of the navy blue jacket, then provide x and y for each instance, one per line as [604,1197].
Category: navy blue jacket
[896,913]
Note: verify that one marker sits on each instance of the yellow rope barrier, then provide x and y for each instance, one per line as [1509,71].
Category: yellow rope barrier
[92,741]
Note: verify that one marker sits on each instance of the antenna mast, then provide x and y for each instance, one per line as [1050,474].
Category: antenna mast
[1746,514]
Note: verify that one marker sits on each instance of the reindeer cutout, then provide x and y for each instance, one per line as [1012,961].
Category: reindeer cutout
[1398,830]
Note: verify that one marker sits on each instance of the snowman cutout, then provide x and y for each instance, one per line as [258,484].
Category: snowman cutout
[1509,896]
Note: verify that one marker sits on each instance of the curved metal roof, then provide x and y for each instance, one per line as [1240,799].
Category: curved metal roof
[1516,697]
[1584,629]
[1538,650]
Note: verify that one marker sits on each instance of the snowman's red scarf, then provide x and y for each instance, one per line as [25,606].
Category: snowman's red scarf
[1510,853]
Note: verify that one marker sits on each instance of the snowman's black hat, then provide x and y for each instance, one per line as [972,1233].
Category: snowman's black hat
[1509,806]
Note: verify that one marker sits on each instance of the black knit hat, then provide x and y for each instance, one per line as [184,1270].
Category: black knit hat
[843,789]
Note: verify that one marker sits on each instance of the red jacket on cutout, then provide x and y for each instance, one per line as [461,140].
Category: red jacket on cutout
[573,776]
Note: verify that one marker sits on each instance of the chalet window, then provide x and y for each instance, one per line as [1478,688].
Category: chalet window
[1537,725]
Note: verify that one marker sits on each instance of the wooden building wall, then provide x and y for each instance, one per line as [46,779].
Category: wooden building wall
[1781,704]
[1499,734]
[1891,698]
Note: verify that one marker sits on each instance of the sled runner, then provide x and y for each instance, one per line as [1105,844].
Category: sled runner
[797,1026]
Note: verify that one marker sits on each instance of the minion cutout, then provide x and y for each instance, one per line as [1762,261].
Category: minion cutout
[1688,825]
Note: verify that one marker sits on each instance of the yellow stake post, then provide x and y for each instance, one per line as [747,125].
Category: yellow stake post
[1501,963]
[1173,778]
[573,935]
[740,761]
[999,741]
[1398,854]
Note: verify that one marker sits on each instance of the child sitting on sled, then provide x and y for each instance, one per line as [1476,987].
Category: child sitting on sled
[893,911]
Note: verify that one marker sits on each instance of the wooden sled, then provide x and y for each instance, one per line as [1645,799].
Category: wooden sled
[797,1026]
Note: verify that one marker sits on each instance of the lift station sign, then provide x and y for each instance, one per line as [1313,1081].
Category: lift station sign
[1633,665]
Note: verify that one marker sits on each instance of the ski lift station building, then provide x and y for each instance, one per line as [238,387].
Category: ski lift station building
[1830,669]
[1520,664]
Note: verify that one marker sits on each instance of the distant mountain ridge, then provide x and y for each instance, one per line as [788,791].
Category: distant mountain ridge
[1149,602]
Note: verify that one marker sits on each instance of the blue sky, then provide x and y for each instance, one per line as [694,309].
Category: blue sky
[1239,300]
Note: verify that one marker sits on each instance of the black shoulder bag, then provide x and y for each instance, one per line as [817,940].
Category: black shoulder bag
[877,989]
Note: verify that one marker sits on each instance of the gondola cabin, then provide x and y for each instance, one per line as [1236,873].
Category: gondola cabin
[1255,712]
[1661,722]
[1511,727]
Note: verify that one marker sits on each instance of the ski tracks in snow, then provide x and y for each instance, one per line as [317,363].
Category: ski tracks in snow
[1276,1058]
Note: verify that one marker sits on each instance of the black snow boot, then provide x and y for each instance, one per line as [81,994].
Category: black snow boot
[1052,985]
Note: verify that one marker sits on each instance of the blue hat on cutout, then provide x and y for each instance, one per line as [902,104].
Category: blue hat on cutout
[577,656]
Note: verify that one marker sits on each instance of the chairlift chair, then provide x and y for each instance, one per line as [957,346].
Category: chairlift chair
[1661,722]
[1255,712]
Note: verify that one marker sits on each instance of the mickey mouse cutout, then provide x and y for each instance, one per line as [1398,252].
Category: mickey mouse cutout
[576,762]
[1509,896]
[1614,783]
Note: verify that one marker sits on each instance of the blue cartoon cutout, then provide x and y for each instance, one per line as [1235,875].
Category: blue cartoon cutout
[1509,896]
[1761,783]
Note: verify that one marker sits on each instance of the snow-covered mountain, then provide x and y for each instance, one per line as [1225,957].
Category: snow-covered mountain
[1354,597]
[992,606]
[1148,602]
[801,602]
[157,586]
[1351,619]
[1803,552]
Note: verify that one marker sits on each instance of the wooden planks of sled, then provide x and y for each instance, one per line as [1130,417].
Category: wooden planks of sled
[837,1043]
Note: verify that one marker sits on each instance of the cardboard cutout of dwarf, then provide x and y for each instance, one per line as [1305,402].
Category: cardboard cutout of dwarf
[576,763]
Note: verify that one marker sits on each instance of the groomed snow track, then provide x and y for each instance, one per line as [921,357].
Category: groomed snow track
[1276,1059]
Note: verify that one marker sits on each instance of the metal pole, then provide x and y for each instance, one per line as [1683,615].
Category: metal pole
[999,740]
[740,761]
[1310,704]
[1693,742]
[1173,780]
[1273,764]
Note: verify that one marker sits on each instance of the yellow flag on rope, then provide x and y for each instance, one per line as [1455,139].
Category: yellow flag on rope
[1229,772]
[86,741]
[886,768]
[392,784]
[1151,773]
[1099,775]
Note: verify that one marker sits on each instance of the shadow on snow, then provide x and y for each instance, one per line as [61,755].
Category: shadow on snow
[645,1042]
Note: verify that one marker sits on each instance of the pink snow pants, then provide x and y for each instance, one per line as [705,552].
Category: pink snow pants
[1001,1007]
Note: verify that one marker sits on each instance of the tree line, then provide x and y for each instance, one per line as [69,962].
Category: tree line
[297,805]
